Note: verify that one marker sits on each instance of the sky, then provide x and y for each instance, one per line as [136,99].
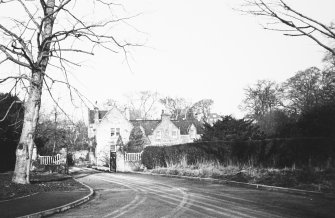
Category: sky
[196,49]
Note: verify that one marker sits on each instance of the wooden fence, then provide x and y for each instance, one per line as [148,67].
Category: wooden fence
[50,160]
[133,156]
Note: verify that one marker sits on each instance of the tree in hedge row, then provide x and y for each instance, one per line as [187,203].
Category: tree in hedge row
[137,140]
[230,128]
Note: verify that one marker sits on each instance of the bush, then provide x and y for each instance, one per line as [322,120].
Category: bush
[301,152]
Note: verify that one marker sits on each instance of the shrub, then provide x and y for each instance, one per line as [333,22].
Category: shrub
[300,152]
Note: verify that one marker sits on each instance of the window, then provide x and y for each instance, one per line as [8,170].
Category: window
[115,131]
[158,135]
[192,132]
[174,134]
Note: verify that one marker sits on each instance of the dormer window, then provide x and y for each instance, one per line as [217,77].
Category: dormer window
[112,131]
[192,132]
[158,135]
[174,133]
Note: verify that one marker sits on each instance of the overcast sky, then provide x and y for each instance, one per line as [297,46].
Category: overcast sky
[200,49]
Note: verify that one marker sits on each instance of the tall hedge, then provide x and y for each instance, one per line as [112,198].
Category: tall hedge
[269,152]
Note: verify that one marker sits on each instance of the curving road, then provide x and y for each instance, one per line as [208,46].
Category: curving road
[134,195]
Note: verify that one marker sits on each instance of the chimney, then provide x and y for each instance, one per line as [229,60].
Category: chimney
[96,113]
[165,116]
[127,113]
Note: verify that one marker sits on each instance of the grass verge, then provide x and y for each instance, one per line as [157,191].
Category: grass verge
[40,182]
[312,179]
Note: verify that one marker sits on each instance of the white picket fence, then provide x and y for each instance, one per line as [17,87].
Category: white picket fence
[49,160]
[133,156]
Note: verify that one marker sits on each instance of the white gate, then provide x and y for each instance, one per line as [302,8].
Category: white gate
[50,160]
[133,156]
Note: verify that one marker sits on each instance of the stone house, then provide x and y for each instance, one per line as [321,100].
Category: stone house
[105,125]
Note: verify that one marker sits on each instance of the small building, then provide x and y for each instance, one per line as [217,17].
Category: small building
[105,125]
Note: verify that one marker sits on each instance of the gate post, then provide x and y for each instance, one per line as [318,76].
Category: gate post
[120,162]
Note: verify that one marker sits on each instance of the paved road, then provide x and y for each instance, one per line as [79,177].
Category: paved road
[133,195]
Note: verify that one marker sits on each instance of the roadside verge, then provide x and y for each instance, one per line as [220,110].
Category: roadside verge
[246,185]
[65,207]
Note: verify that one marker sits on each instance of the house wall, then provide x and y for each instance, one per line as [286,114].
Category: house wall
[166,128]
[163,134]
[104,140]
[166,133]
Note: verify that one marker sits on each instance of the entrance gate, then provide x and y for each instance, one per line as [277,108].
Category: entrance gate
[112,161]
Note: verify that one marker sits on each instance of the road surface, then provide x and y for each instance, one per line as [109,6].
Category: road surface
[135,195]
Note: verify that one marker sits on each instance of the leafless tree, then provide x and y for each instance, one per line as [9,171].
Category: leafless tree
[46,33]
[142,104]
[261,98]
[176,106]
[280,16]
[202,108]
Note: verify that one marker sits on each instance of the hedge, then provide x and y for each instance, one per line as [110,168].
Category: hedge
[283,152]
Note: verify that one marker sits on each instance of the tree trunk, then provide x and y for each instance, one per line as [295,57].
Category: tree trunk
[32,106]
[24,149]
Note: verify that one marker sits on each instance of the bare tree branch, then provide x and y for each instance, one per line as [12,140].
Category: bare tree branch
[11,105]
[293,19]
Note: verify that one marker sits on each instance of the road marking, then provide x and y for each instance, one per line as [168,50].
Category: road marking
[168,194]
[130,206]
[256,213]
[217,210]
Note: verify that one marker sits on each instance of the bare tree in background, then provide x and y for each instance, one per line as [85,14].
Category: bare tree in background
[37,35]
[142,104]
[261,98]
[202,108]
[291,22]
[177,107]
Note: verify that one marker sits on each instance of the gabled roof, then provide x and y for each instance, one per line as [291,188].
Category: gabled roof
[184,125]
[148,125]
[91,115]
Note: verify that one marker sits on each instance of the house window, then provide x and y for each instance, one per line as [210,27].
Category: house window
[115,131]
[158,135]
[174,134]
[192,132]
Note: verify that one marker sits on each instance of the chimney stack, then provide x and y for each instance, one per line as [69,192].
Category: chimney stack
[96,113]
[127,113]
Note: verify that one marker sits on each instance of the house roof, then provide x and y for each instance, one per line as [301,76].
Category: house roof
[148,125]
[184,126]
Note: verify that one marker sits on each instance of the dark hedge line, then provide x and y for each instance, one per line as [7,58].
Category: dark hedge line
[301,152]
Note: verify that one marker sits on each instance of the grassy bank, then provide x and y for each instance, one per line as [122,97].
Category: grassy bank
[40,182]
[313,179]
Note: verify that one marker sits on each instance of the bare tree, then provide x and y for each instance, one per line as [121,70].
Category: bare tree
[291,22]
[261,98]
[309,88]
[142,104]
[202,108]
[177,107]
[38,35]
